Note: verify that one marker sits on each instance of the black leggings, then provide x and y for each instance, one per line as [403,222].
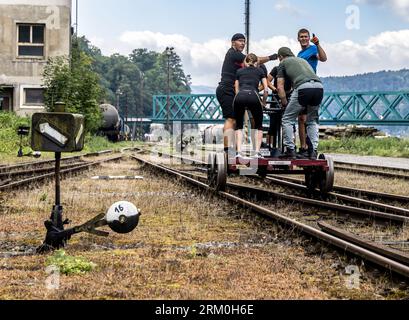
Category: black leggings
[248,99]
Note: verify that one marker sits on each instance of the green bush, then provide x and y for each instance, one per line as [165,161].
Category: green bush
[70,265]
[74,82]
[388,147]
[9,139]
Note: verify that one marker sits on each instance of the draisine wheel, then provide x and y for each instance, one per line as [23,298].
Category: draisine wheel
[311,181]
[327,178]
[217,171]
[221,171]
[211,177]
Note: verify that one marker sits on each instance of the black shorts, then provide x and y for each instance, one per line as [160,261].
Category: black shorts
[250,100]
[225,95]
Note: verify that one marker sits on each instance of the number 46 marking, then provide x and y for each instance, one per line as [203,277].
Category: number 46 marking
[119,209]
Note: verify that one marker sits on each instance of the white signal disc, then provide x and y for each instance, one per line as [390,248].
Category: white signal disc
[122,208]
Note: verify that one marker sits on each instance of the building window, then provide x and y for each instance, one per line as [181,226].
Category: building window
[33,97]
[31,40]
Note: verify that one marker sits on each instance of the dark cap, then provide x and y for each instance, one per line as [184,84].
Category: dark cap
[238,36]
[285,52]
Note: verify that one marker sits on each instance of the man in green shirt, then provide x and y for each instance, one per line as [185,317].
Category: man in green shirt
[308,93]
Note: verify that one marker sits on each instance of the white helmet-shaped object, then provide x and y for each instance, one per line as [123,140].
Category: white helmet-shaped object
[123,217]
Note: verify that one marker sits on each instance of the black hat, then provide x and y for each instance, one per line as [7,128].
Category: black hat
[238,36]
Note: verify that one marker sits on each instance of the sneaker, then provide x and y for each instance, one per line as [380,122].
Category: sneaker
[303,154]
[289,154]
[241,155]
[313,155]
[265,146]
[258,155]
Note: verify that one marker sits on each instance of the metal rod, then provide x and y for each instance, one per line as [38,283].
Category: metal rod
[168,97]
[247,23]
[141,106]
[57,179]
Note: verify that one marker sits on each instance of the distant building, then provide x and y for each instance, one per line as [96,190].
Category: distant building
[31,31]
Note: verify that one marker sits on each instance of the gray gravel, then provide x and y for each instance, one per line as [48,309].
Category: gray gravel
[400,163]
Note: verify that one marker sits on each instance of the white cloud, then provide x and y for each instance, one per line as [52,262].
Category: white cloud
[386,51]
[203,61]
[400,7]
[285,5]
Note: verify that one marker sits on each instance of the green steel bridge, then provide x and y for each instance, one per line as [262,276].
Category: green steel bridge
[359,108]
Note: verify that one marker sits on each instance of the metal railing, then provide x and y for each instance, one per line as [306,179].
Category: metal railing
[364,108]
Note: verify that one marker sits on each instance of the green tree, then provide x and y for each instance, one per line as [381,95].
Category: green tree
[139,77]
[76,84]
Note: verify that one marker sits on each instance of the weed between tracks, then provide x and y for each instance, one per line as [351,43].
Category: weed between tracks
[188,246]
[373,183]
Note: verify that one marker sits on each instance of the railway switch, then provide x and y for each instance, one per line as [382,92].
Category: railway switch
[60,132]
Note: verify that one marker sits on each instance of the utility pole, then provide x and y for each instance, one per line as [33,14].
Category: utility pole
[169,52]
[142,75]
[247,23]
[76,18]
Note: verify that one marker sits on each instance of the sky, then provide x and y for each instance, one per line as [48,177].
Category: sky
[359,35]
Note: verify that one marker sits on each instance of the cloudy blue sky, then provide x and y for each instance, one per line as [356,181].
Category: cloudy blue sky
[359,35]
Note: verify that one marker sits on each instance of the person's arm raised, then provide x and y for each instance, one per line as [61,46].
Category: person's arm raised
[262,60]
[322,55]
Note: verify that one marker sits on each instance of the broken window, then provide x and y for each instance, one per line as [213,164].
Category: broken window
[31,40]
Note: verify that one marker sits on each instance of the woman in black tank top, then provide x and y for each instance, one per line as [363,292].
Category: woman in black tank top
[247,85]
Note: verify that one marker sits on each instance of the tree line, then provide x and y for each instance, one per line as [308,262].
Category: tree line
[376,81]
[88,78]
[138,77]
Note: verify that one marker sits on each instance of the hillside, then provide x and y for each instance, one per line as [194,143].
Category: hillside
[375,81]
[378,81]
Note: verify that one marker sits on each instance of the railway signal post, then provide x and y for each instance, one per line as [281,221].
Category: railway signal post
[60,132]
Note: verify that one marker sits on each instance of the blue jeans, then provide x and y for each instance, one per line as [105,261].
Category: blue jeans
[308,95]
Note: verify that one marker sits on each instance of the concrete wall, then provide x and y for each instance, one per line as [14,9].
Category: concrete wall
[21,73]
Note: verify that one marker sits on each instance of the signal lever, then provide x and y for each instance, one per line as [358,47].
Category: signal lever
[122,217]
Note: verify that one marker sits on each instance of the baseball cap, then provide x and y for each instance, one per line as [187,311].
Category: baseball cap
[238,36]
[285,52]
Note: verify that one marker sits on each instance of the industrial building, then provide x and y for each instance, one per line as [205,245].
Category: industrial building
[31,31]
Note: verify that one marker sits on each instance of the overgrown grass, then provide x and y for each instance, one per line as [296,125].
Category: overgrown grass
[95,144]
[388,147]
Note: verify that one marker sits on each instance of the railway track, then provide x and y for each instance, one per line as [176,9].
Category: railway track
[374,171]
[44,174]
[384,257]
[373,209]
[4,169]
[395,214]
[359,193]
